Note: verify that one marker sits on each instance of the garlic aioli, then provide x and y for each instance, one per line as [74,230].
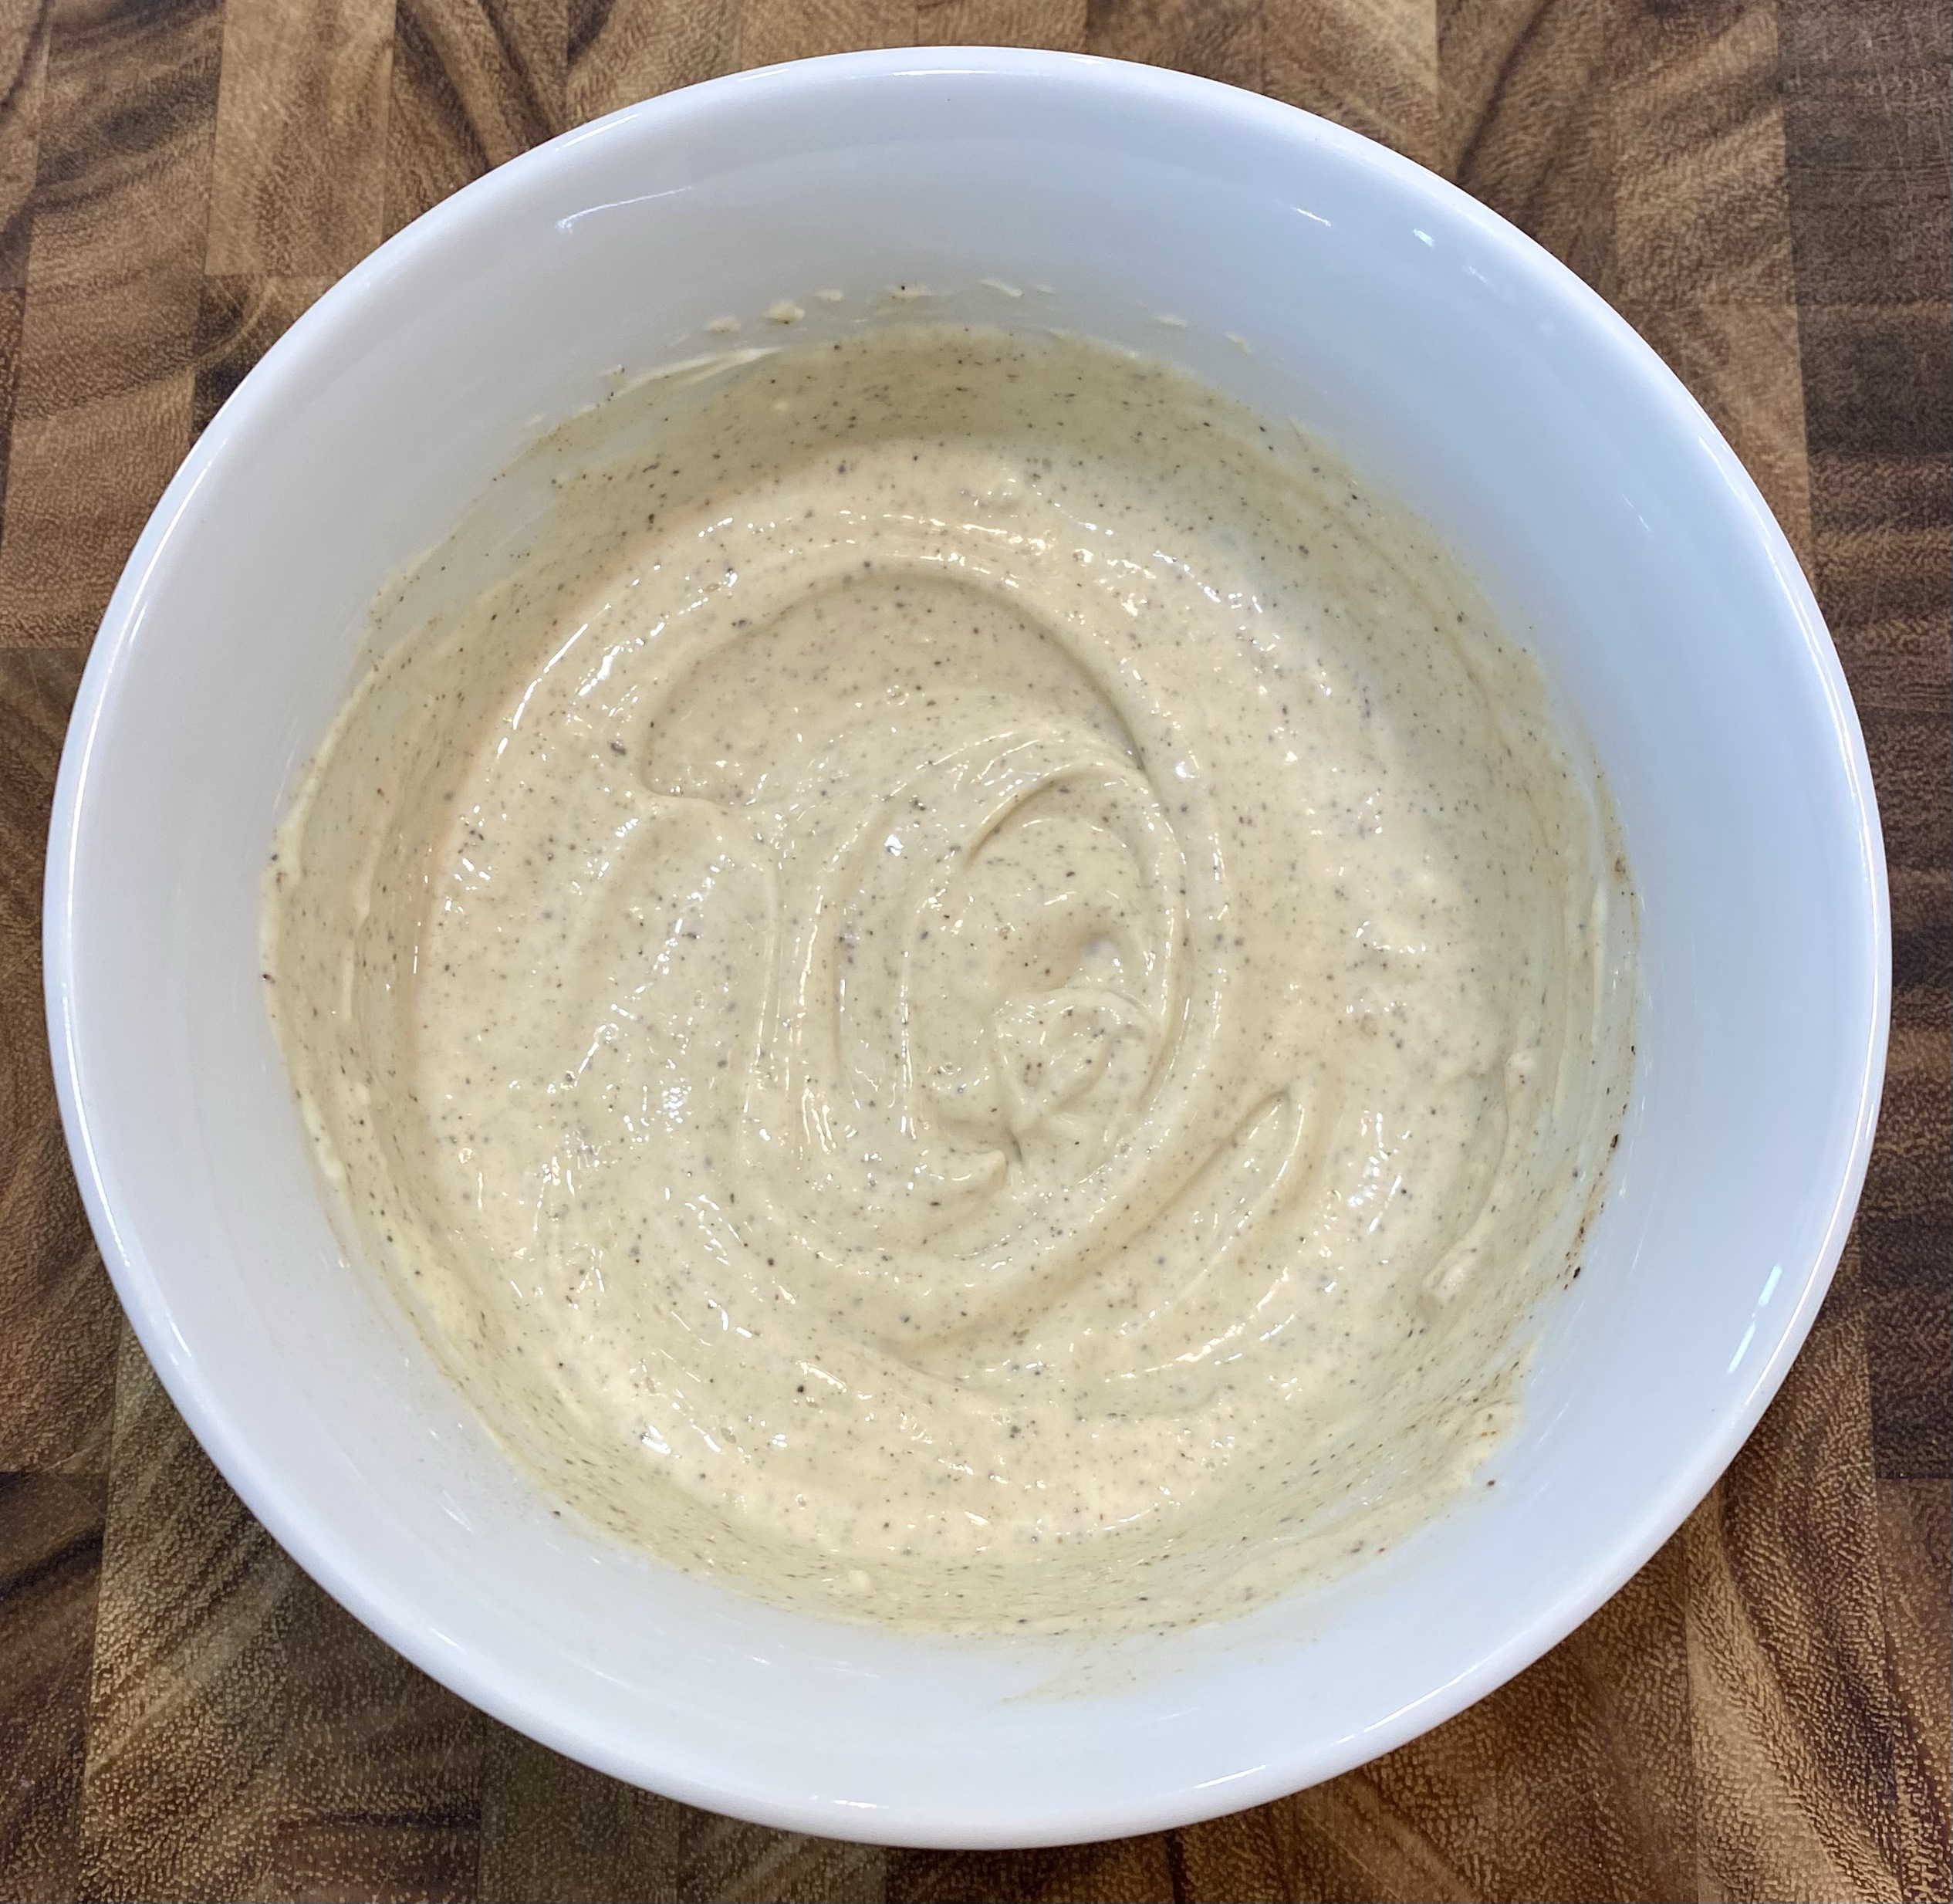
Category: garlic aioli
[979,994]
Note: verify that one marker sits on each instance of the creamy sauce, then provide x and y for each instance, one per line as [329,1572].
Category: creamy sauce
[979,993]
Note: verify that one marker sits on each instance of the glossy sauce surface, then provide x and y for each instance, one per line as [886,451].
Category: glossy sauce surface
[979,994]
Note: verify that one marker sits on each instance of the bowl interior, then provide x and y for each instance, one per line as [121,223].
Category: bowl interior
[1448,359]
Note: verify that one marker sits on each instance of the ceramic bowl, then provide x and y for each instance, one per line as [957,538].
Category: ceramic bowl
[1449,359]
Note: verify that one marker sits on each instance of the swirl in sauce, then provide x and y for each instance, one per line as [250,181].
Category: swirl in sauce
[977,992]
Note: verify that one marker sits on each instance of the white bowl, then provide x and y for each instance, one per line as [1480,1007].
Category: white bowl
[1451,359]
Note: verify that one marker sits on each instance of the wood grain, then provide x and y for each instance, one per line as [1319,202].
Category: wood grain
[1701,198]
[101,410]
[239,319]
[618,53]
[1124,1871]
[13,305]
[1915,1521]
[474,83]
[1740,364]
[1541,1790]
[1217,39]
[773,30]
[551,1829]
[23,74]
[1867,127]
[50,1546]
[1059,26]
[57,1315]
[1370,64]
[1525,121]
[1762,186]
[282,1751]
[1790,1669]
[58,1322]
[1869,97]
[301,155]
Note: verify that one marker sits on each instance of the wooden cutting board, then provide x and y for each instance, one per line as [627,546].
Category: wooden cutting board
[1761,185]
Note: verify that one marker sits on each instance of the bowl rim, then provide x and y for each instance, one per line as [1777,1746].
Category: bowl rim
[339,1570]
